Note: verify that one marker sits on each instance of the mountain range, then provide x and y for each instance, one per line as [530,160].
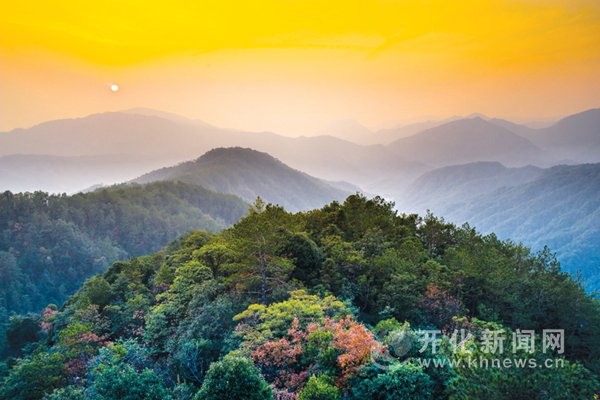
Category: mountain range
[143,140]
[161,141]
[465,169]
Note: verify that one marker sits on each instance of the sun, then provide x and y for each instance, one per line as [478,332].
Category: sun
[114,87]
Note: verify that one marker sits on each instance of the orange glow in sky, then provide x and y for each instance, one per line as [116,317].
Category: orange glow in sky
[292,66]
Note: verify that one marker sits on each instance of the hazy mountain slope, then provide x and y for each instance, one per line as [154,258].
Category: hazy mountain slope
[389,135]
[248,174]
[576,137]
[582,129]
[105,134]
[169,116]
[355,132]
[467,140]
[49,244]
[442,189]
[59,174]
[559,208]
[345,186]
[350,130]
[519,129]
[335,159]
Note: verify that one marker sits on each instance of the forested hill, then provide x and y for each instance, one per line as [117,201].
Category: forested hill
[249,174]
[49,244]
[558,207]
[317,305]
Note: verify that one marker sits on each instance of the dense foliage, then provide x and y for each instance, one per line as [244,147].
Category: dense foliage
[311,306]
[49,244]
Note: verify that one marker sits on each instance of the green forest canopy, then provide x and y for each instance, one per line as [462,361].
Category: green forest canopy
[293,306]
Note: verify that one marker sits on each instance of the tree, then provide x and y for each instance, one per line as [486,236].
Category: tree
[234,377]
[256,238]
[20,332]
[307,257]
[438,307]
[121,372]
[319,388]
[97,291]
[164,277]
[161,324]
[202,339]
[32,378]
[402,382]
[11,283]
[78,344]
[436,234]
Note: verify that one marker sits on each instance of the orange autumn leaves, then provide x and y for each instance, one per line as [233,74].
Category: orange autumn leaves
[355,343]
[327,345]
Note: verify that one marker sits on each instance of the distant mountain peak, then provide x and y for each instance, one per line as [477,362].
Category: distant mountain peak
[591,118]
[467,140]
[237,151]
[579,131]
[476,120]
[477,115]
[249,173]
[237,155]
[471,126]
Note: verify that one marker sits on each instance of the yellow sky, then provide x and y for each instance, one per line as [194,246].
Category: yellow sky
[293,66]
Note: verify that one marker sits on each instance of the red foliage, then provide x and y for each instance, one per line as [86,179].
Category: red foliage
[282,394]
[80,350]
[136,327]
[47,317]
[282,363]
[278,358]
[355,344]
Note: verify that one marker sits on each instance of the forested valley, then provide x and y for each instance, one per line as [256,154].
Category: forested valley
[52,243]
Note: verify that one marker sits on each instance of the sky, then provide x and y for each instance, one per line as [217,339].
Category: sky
[293,66]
